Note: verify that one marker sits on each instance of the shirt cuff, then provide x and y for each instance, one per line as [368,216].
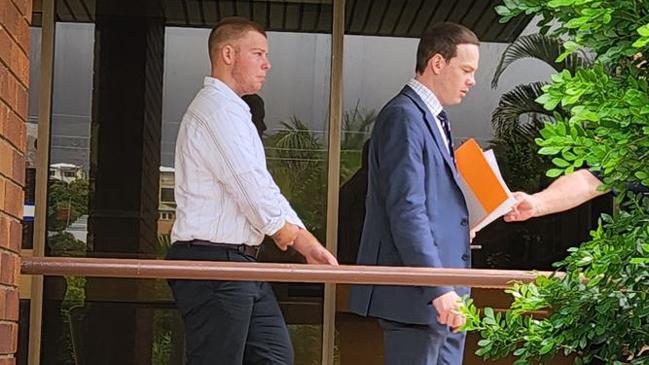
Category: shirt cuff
[294,219]
[273,227]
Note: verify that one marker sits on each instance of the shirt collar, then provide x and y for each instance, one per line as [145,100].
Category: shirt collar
[225,90]
[427,96]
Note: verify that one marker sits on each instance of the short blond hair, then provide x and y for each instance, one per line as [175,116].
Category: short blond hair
[230,29]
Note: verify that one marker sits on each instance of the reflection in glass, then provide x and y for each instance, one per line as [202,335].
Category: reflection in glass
[124,74]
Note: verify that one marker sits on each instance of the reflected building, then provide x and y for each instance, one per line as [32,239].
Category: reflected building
[66,172]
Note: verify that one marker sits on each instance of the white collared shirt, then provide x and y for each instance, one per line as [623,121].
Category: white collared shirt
[433,105]
[224,192]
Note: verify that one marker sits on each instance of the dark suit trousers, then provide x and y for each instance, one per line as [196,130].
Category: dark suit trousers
[229,322]
[416,344]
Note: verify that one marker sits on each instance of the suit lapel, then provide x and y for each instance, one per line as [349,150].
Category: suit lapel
[431,124]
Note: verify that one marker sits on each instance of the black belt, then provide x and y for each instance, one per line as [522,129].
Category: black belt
[241,248]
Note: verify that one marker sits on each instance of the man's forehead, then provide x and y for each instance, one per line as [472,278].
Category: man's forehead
[466,52]
[253,39]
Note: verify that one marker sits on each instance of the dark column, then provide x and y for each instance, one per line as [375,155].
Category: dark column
[124,173]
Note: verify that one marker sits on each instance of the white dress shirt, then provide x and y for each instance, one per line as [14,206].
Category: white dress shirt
[224,192]
[433,105]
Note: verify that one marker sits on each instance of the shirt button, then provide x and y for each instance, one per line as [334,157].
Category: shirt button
[464,222]
[466,257]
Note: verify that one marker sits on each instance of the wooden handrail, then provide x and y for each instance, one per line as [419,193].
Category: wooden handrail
[347,274]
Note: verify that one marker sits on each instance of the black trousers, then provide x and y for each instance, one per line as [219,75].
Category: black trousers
[229,322]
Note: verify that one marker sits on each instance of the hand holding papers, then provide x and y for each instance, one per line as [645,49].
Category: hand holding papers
[487,196]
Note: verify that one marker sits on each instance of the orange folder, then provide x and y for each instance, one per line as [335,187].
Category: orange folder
[486,193]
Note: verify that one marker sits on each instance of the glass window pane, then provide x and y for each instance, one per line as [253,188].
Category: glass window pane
[124,76]
[379,59]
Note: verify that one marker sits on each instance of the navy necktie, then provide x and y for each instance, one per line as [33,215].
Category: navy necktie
[446,126]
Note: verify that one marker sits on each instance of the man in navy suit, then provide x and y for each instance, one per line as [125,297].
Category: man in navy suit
[416,213]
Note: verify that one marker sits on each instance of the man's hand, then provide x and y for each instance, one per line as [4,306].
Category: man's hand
[286,236]
[312,250]
[447,307]
[527,206]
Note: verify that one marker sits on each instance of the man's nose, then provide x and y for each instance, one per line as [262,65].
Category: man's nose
[471,81]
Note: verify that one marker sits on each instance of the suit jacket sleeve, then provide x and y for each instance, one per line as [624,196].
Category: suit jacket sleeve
[402,180]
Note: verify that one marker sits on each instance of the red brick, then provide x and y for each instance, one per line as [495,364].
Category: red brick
[4,82]
[16,64]
[14,129]
[5,228]
[7,360]
[6,158]
[14,200]
[6,268]
[8,337]
[15,16]
[14,57]
[16,24]
[2,201]
[5,46]
[11,299]
[18,167]
[3,117]
[9,268]
[11,92]
[15,235]
[17,263]
[10,311]
[25,7]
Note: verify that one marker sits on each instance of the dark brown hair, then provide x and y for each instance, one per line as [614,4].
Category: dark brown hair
[230,29]
[443,38]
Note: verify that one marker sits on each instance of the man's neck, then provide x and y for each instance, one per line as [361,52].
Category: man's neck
[224,77]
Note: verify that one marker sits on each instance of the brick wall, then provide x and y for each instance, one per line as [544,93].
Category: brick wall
[15,16]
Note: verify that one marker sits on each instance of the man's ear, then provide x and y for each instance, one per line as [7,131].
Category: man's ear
[436,63]
[227,54]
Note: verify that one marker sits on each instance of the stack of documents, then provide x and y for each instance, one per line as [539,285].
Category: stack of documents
[487,196]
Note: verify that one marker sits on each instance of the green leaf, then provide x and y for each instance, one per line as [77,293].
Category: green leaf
[640,43]
[549,150]
[546,348]
[484,342]
[639,260]
[560,3]
[576,23]
[554,172]
[567,155]
[560,162]
[586,260]
[510,4]
[644,30]
[502,10]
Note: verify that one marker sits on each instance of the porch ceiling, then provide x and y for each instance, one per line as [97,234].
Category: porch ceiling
[390,18]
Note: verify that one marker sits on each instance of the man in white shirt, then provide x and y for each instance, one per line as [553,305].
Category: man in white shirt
[226,202]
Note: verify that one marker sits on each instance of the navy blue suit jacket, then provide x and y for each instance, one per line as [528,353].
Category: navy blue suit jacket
[416,213]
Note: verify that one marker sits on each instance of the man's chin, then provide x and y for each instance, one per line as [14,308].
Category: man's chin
[457,101]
